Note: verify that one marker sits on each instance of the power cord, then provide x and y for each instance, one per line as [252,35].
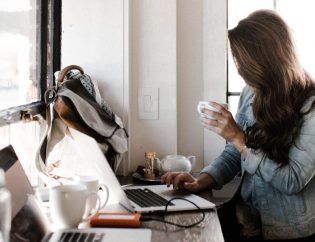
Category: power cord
[148,217]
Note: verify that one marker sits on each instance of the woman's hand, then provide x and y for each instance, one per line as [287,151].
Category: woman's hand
[224,125]
[184,180]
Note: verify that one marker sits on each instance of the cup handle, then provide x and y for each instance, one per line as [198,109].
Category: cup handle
[104,188]
[96,209]
[192,159]
[200,107]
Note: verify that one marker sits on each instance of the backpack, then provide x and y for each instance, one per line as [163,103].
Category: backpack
[75,102]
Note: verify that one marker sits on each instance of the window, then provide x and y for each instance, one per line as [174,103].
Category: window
[18,53]
[29,54]
[298,15]
[28,32]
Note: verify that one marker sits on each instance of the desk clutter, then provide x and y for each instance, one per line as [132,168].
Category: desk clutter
[121,220]
[153,167]
[31,208]
[140,174]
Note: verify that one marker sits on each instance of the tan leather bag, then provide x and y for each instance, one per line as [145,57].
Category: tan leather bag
[75,100]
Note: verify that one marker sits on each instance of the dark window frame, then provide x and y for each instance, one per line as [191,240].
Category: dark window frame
[49,55]
[228,93]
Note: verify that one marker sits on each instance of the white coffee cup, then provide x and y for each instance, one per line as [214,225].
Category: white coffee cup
[92,184]
[68,204]
[202,105]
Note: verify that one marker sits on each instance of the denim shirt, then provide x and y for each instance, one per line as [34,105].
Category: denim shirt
[278,200]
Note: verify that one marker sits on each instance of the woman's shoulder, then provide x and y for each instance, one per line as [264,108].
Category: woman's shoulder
[246,97]
[308,105]
[244,115]
[247,94]
[309,118]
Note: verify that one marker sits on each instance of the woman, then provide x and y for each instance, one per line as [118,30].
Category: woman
[272,139]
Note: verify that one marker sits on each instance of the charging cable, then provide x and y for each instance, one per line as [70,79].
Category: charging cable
[148,217]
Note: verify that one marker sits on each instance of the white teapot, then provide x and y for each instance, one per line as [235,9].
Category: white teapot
[176,163]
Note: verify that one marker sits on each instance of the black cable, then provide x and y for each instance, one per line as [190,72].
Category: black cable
[146,217]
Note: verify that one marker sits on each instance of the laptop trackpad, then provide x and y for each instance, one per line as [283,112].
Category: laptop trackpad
[175,193]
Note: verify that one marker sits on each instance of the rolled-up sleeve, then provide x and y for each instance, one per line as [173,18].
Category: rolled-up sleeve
[252,161]
[225,167]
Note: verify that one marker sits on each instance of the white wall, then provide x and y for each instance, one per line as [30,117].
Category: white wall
[153,64]
[215,69]
[92,37]
[190,80]
[177,46]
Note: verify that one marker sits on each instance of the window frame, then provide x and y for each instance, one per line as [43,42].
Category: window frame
[49,14]
[228,93]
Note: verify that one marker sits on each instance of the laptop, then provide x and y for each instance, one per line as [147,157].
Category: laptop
[134,198]
[29,219]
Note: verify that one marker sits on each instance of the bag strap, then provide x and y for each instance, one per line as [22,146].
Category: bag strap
[49,96]
[62,74]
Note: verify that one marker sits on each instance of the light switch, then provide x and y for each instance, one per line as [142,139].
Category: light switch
[148,103]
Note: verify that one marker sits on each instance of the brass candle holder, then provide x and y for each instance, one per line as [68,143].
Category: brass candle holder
[150,158]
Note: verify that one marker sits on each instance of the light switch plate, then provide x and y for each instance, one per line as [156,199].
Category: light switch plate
[148,102]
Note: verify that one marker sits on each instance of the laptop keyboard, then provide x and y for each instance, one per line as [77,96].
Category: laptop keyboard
[81,237]
[146,198]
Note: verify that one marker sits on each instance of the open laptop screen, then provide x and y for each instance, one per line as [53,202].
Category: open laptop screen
[28,222]
[16,179]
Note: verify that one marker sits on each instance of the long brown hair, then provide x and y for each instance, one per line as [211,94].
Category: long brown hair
[264,53]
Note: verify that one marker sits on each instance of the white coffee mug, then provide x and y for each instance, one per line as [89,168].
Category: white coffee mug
[68,204]
[205,105]
[92,184]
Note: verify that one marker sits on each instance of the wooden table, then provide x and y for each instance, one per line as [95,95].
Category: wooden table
[209,230]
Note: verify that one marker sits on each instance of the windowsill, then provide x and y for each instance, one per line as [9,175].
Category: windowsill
[24,112]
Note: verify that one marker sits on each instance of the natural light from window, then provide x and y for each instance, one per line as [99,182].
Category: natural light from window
[18,56]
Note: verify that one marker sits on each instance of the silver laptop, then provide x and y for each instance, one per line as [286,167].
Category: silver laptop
[134,198]
[29,220]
